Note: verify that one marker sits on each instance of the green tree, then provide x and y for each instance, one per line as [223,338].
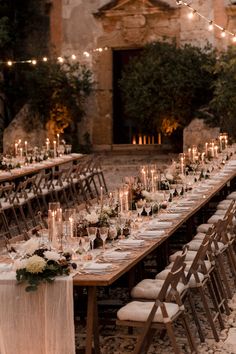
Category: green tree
[167,84]
[223,104]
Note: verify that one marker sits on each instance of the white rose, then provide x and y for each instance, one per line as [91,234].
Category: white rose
[169,176]
[92,218]
[52,256]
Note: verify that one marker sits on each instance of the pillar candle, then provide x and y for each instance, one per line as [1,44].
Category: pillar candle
[55,148]
[26,148]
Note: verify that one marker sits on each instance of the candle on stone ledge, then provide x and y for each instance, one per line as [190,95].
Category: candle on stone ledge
[121,201]
[101,195]
[126,201]
[206,149]
[182,165]
[58,139]
[21,153]
[16,149]
[55,148]
[26,148]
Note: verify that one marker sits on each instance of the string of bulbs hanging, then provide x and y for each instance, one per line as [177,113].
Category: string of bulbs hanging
[211,23]
[60,59]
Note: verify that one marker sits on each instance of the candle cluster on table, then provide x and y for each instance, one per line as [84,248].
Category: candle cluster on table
[211,149]
[20,149]
[149,175]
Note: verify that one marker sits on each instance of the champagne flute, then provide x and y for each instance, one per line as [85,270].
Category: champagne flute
[103,231]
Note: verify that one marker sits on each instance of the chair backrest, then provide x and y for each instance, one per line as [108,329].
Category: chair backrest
[198,264]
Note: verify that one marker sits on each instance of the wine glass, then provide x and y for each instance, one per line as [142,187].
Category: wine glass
[122,223]
[112,233]
[92,233]
[148,207]
[103,231]
[139,208]
[85,241]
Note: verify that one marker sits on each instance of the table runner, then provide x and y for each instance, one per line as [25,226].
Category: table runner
[39,322]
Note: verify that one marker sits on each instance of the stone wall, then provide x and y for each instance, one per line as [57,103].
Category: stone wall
[78,26]
[198,133]
[19,128]
[125,25]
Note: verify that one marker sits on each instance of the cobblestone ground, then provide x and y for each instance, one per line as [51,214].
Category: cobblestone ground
[114,339]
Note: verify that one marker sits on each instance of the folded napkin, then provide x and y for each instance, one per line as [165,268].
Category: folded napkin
[115,255]
[168,216]
[182,208]
[160,224]
[131,242]
[151,233]
[186,203]
[97,266]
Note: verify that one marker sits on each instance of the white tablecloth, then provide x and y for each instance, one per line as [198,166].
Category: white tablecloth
[38,322]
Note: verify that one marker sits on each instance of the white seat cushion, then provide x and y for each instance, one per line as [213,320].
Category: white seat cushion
[139,311]
[199,236]
[220,212]
[204,227]
[214,218]
[192,281]
[189,256]
[231,196]
[150,288]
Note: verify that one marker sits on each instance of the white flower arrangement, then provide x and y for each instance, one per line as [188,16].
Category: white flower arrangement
[92,218]
[41,266]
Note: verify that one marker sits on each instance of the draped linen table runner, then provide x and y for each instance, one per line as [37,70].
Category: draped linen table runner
[40,322]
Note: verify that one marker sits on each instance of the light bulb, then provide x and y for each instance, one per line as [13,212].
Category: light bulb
[34,62]
[86,54]
[191,14]
[223,34]
[9,63]
[210,27]
[60,59]
[73,57]
[234,38]
[45,59]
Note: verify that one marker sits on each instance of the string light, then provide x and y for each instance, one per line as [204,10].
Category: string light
[60,59]
[223,34]
[211,24]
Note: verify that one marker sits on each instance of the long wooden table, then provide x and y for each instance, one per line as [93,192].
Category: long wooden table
[93,281]
[7,176]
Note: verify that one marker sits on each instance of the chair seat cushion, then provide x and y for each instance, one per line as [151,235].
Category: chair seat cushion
[192,283]
[150,288]
[199,236]
[139,311]
[215,218]
[220,212]
[224,204]
[204,227]
[231,196]
[189,256]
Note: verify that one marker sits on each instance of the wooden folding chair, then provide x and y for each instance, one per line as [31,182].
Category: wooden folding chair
[158,314]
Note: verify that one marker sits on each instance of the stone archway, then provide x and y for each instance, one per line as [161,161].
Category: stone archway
[127,24]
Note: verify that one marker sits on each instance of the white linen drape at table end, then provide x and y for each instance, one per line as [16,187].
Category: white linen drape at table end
[40,322]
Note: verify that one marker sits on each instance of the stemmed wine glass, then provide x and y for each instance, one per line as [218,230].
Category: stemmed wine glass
[148,207]
[85,241]
[112,233]
[139,208]
[103,231]
[92,233]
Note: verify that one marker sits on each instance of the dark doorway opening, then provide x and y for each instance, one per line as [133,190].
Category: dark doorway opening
[125,129]
[122,127]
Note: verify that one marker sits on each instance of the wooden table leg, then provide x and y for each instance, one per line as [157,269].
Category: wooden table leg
[92,334]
